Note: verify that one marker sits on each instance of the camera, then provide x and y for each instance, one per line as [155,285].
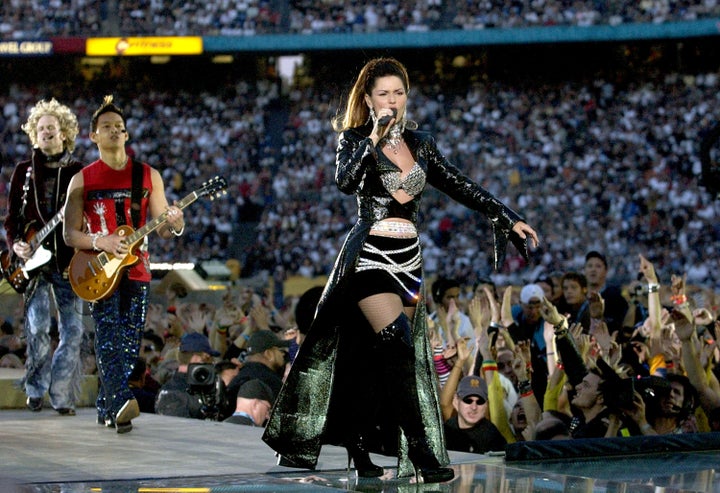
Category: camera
[203,381]
[620,397]
[201,377]
[639,290]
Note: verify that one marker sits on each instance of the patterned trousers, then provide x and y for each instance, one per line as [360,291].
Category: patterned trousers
[119,326]
[59,373]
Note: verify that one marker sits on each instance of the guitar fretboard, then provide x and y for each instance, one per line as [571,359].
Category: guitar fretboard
[158,221]
[40,236]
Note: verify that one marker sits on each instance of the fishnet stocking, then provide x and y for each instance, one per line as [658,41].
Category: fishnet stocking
[382,309]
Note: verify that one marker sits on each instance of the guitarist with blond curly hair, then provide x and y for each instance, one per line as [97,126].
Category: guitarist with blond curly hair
[37,260]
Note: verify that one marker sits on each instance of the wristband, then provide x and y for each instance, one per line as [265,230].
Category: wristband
[495,325]
[489,365]
[645,427]
[95,237]
[527,394]
[177,233]
[653,287]
[561,328]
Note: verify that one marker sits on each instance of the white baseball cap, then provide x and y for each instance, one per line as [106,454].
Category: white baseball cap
[531,291]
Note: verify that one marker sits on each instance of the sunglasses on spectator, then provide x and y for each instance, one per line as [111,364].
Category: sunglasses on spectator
[474,400]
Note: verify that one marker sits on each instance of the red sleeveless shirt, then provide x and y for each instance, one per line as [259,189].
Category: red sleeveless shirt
[107,206]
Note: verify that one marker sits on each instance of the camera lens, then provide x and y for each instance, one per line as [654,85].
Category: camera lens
[201,375]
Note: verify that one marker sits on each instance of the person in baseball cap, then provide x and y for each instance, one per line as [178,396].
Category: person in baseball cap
[266,359]
[470,430]
[176,398]
[195,342]
[262,340]
[472,385]
[253,404]
[531,292]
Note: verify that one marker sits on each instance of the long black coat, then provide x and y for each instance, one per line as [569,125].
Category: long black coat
[334,368]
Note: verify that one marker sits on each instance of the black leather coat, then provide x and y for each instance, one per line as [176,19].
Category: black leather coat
[334,369]
[45,198]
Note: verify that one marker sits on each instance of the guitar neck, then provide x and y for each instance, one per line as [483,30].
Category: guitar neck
[37,240]
[159,221]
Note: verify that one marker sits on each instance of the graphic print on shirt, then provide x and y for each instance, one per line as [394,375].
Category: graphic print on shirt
[99,209]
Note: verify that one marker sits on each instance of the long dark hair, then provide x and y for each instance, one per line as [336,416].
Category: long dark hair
[356,111]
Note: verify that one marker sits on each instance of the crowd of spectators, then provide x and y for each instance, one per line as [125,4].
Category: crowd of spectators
[602,164]
[44,18]
[586,162]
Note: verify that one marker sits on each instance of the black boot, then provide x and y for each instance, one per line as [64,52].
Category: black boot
[358,454]
[425,462]
[395,345]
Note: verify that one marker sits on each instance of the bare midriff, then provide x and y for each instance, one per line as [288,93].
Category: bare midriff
[394,227]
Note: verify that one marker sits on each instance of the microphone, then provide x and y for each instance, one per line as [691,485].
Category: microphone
[383,121]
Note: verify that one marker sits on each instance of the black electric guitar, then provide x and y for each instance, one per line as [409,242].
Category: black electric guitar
[19,272]
[95,275]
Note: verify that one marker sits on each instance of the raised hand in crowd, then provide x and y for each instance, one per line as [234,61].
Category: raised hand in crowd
[485,349]
[194,319]
[449,320]
[229,313]
[506,318]
[155,319]
[662,347]
[447,392]
[260,317]
[601,339]
[521,362]
[647,269]
[550,349]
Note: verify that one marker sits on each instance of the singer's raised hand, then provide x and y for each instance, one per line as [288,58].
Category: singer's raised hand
[383,122]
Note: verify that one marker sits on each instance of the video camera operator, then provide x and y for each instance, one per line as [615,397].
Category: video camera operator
[663,406]
[194,390]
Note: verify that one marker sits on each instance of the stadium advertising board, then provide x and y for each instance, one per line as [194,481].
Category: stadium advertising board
[129,46]
[27,47]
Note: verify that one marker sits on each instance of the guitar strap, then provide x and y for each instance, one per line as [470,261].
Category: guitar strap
[26,189]
[136,192]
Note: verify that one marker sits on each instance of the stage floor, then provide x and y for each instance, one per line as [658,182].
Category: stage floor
[44,452]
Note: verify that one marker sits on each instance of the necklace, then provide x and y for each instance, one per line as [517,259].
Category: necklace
[394,137]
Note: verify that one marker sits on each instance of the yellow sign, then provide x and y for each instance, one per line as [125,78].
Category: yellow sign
[188,45]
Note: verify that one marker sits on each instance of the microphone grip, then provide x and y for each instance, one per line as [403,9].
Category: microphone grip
[383,121]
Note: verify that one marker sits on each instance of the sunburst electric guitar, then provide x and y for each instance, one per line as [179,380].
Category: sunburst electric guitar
[95,275]
[19,272]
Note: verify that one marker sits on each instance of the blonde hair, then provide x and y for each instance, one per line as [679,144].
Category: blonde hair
[67,119]
[356,111]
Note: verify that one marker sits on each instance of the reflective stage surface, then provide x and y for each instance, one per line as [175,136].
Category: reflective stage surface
[43,452]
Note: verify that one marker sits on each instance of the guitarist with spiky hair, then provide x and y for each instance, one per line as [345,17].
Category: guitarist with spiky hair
[37,260]
[106,200]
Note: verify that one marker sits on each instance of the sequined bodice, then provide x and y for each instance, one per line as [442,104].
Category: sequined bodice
[413,183]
